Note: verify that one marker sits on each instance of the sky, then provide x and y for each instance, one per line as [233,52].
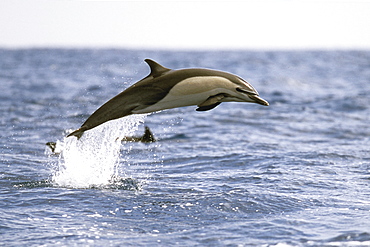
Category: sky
[248,24]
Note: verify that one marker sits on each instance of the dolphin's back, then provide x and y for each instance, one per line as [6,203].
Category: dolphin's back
[142,94]
[120,106]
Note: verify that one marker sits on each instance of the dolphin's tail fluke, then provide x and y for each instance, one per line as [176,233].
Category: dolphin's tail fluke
[78,133]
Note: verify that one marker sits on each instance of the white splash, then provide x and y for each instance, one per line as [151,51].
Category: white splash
[94,159]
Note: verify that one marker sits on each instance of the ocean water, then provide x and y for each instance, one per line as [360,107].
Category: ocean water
[295,173]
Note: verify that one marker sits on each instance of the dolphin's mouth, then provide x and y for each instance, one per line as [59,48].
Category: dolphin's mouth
[258,100]
[253,96]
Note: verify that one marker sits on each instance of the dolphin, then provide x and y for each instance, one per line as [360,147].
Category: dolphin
[165,88]
[148,137]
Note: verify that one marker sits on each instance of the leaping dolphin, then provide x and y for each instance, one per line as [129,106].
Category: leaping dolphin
[165,88]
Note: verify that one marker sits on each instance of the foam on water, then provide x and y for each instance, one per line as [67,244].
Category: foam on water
[94,159]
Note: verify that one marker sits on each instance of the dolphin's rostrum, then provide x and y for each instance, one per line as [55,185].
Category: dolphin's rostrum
[164,88]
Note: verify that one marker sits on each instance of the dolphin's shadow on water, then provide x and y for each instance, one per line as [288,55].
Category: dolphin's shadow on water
[147,137]
[116,183]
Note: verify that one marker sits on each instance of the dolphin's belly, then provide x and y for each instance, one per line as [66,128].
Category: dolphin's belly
[171,101]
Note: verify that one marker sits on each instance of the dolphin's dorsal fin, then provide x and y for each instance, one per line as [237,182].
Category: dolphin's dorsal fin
[155,68]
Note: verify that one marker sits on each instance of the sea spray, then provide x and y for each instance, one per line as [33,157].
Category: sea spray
[94,159]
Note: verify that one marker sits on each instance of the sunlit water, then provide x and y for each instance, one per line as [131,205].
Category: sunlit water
[93,161]
[295,173]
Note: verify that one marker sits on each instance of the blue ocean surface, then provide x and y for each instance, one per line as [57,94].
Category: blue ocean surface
[295,173]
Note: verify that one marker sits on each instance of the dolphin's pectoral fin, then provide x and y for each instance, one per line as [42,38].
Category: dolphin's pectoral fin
[208,107]
[211,102]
